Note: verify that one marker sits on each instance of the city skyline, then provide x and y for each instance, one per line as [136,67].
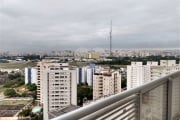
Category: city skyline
[56,25]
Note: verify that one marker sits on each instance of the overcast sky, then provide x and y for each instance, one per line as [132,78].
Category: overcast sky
[37,25]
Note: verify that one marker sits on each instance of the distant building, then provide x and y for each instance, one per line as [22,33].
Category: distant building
[166,67]
[90,72]
[59,87]
[10,70]
[106,83]
[81,75]
[85,74]
[92,55]
[167,62]
[30,75]
[138,74]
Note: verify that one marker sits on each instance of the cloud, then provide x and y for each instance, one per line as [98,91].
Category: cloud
[27,25]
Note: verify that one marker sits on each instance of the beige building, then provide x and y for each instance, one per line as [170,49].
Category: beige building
[92,55]
[57,87]
[106,83]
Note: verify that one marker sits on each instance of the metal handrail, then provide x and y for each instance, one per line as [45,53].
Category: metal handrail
[91,108]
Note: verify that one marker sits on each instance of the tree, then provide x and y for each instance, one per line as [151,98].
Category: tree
[10,92]
[24,94]
[14,83]
[9,84]
[25,112]
[14,76]
[123,83]
[84,92]
[31,87]
[20,82]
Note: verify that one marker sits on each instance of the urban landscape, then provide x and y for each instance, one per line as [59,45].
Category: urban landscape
[47,86]
[93,60]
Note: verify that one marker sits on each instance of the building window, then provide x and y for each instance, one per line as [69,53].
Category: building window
[61,76]
[56,68]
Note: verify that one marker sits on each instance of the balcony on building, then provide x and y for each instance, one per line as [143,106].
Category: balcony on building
[156,100]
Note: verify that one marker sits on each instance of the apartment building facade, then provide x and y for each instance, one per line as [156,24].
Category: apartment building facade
[106,83]
[30,75]
[58,86]
[136,72]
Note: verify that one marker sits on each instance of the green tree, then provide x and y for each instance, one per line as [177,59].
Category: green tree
[20,82]
[24,94]
[14,83]
[31,87]
[10,92]
[25,112]
[123,83]
[84,92]
[9,84]
[14,76]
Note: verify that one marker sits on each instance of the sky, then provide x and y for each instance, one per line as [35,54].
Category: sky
[42,25]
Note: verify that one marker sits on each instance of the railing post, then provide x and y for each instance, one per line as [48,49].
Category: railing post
[169,98]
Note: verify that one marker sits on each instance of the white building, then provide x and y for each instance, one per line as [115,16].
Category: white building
[138,74]
[166,67]
[85,74]
[30,75]
[167,62]
[77,75]
[59,87]
[106,83]
[90,72]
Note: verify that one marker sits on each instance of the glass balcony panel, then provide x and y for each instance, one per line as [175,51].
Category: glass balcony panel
[154,104]
[176,99]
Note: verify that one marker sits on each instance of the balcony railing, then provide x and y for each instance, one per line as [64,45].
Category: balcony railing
[156,100]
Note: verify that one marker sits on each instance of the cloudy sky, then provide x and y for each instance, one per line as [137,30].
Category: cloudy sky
[37,25]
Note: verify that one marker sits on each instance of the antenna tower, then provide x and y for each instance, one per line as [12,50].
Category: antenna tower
[110,38]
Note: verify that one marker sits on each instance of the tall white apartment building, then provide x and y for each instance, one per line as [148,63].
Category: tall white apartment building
[78,75]
[166,67]
[106,83]
[167,62]
[90,72]
[58,86]
[138,74]
[30,75]
[85,74]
